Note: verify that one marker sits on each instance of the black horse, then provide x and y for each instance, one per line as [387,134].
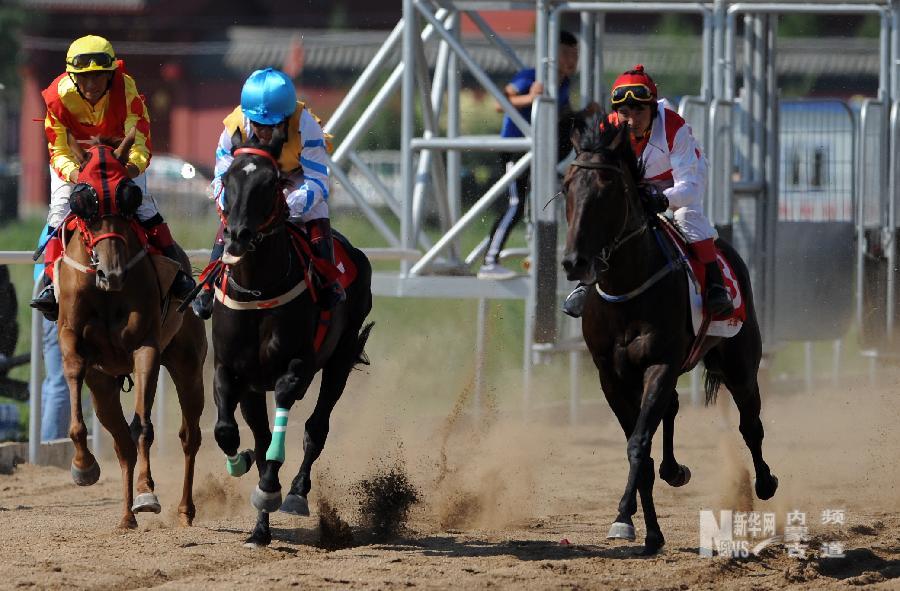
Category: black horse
[641,342]
[265,324]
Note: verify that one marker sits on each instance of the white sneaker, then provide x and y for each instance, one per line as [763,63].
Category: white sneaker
[496,272]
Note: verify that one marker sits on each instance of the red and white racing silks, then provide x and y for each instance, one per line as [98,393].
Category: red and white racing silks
[673,160]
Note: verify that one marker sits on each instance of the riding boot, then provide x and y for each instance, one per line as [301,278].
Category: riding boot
[330,293]
[160,237]
[718,302]
[574,304]
[45,302]
[203,303]
[716,299]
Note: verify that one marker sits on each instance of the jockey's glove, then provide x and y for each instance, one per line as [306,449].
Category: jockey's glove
[653,199]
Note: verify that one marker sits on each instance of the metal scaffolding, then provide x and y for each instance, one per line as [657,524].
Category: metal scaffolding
[734,115]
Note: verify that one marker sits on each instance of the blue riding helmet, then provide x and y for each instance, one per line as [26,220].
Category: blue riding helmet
[268,97]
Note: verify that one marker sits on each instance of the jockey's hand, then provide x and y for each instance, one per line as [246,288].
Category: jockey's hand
[73,176]
[133,170]
[537,89]
[655,201]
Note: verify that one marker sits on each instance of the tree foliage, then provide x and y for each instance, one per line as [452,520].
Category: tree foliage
[11,20]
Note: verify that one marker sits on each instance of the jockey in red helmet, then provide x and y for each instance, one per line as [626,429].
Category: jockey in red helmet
[676,166]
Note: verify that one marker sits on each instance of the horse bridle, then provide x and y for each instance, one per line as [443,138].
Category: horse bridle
[271,224]
[90,241]
[621,238]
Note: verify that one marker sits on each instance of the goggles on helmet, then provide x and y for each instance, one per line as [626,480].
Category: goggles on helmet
[638,92]
[85,60]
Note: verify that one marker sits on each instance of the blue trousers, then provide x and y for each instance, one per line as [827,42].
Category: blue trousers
[54,390]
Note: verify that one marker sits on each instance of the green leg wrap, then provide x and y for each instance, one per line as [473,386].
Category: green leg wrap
[275,453]
[236,466]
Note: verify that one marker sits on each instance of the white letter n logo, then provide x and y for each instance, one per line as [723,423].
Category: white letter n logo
[712,534]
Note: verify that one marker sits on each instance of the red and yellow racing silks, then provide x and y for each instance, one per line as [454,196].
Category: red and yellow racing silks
[120,109]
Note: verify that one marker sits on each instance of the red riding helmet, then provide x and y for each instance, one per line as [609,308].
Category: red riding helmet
[634,87]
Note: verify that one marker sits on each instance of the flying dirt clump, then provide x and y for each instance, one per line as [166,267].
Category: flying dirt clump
[334,532]
[385,500]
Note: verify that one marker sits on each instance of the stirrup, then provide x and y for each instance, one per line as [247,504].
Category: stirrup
[719,305]
[46,303]
[202,306]
[182,285]
[331,295]
[574,304]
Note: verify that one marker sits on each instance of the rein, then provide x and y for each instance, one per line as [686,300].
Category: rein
[670,266]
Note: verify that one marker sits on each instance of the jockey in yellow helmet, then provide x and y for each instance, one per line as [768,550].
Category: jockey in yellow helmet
[95,98]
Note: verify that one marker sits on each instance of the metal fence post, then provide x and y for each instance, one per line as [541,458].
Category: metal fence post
[34,386]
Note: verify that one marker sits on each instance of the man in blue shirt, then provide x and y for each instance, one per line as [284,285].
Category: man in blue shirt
[521,92]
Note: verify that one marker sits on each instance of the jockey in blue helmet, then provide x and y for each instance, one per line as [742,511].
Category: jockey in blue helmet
[269,100]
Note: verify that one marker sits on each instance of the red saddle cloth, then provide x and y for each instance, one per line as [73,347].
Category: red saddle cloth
[343,271]
[698,269]
[344,264]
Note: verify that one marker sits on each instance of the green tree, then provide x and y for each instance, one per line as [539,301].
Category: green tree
[11,20]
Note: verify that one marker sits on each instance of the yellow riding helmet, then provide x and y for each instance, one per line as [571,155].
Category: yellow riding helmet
[90,54]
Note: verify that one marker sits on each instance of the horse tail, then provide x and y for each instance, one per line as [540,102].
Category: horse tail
[713,376]
[361,357]
[711,386]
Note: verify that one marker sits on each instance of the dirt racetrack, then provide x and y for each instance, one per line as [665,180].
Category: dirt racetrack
[498,496]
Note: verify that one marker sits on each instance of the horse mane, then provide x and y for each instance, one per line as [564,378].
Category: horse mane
[594,133]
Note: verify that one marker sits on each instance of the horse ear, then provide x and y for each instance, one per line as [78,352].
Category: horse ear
[121,153]
[236,140]
[279,134]
[75,147]
[621,137]
[128,197]
[579,126]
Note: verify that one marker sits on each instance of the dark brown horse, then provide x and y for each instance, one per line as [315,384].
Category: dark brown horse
[640,343]
[265,324]
[112,324]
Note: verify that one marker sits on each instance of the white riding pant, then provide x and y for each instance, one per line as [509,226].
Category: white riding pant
[693,224]
[60,191]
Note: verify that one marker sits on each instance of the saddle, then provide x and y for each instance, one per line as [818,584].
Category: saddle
[725,326]
[316,272]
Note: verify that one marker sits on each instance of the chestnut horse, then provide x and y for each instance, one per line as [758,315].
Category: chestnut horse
[639,333]
[112,323]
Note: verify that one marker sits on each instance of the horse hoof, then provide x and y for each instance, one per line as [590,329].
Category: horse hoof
[146,503]
[621,531]
[682,476]
[653,543]
[86,477]
[685,476]
[258,539]
[765,489]
[242,465]
[295,505]
[265,501]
